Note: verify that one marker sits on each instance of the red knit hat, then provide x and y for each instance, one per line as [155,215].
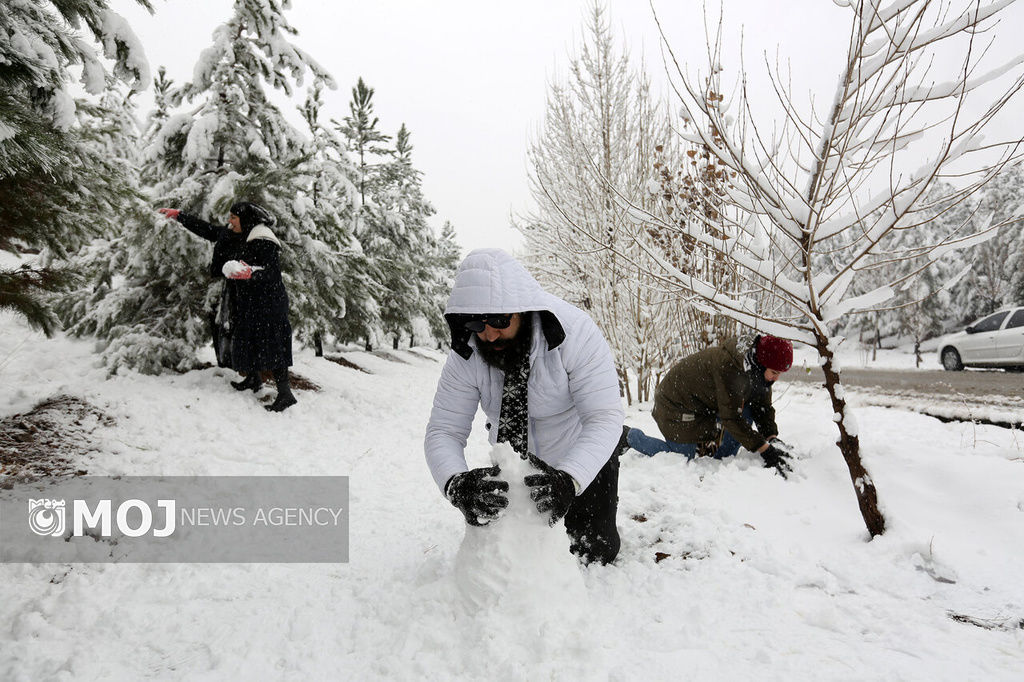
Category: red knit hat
[774,353]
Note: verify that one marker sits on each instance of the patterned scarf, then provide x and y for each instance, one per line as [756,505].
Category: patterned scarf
[513,424]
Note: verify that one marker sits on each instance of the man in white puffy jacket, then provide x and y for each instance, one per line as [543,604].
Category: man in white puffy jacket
[544,376]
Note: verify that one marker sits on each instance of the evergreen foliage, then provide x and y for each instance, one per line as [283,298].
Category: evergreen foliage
[354,265]
[399,238]
[945,294]
[234,144]
[360,129]
[446,258]
[57,188]
[333,208]
[408,261]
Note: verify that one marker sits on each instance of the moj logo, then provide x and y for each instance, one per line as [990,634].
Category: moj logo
[46,517]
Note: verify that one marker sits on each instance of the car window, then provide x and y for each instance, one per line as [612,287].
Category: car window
[1017,320]
[991,323]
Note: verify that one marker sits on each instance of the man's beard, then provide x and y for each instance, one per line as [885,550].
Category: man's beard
[514,349]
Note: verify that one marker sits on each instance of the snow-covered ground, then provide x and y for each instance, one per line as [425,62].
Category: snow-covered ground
[764,578]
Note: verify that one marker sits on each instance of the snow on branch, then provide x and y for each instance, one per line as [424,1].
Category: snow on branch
[868,301]
[833,189]
[122,45]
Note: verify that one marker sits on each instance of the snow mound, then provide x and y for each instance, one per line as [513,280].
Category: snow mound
[518,569]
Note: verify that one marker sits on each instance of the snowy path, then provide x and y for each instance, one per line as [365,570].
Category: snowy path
[766,579]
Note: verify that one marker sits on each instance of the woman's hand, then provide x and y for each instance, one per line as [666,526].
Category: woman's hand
[171,213]
[237,269]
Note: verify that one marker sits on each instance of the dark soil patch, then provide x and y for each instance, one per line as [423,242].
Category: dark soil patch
[384,355]
[337,359]
[297,381]
[300,382]
[196,367]
[988,623]
[49,440]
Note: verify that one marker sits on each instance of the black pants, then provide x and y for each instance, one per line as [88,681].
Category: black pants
[590,522]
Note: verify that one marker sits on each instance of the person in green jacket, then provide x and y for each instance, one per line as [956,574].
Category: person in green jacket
[710,402]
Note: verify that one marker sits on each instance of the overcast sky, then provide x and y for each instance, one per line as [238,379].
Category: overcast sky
[469,77]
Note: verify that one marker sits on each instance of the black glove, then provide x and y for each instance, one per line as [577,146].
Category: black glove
[707,448]
[477,494]
[552,489]
[780,444]
[778,459]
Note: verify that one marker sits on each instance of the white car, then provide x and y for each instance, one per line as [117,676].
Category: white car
[996,340]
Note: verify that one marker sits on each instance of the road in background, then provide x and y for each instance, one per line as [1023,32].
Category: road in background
[987,383]
[989,397]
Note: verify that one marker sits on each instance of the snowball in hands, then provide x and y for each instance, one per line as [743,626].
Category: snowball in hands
[236,269]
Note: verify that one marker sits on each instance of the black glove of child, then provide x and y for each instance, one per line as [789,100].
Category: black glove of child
[778,459]
[477,494]
[552,489]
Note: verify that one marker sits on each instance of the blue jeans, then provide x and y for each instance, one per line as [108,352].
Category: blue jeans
[650,446]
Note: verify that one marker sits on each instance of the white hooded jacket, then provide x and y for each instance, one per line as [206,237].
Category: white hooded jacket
[575,412]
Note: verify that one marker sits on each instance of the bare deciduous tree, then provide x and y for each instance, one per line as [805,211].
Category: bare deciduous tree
[602,123]
[819,195]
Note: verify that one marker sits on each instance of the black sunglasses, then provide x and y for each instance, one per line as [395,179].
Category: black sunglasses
[494,321]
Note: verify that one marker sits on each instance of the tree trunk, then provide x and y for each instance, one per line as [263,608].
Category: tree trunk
[318,344]
[849,446]
[394,344]
[624,389]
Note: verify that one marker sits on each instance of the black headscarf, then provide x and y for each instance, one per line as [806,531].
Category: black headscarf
[250,215]
[758,384]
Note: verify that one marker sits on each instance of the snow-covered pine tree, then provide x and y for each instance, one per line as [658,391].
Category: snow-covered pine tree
[391,223]
[446,257]
[231,143]
[365,139]
[922,302]
[368,144]
[412,268]
[334,202]
[401,243]
[989,283]
[165,97]
[55,191]
[111,131]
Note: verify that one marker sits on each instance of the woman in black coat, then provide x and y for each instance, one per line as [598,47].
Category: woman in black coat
[246,253]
